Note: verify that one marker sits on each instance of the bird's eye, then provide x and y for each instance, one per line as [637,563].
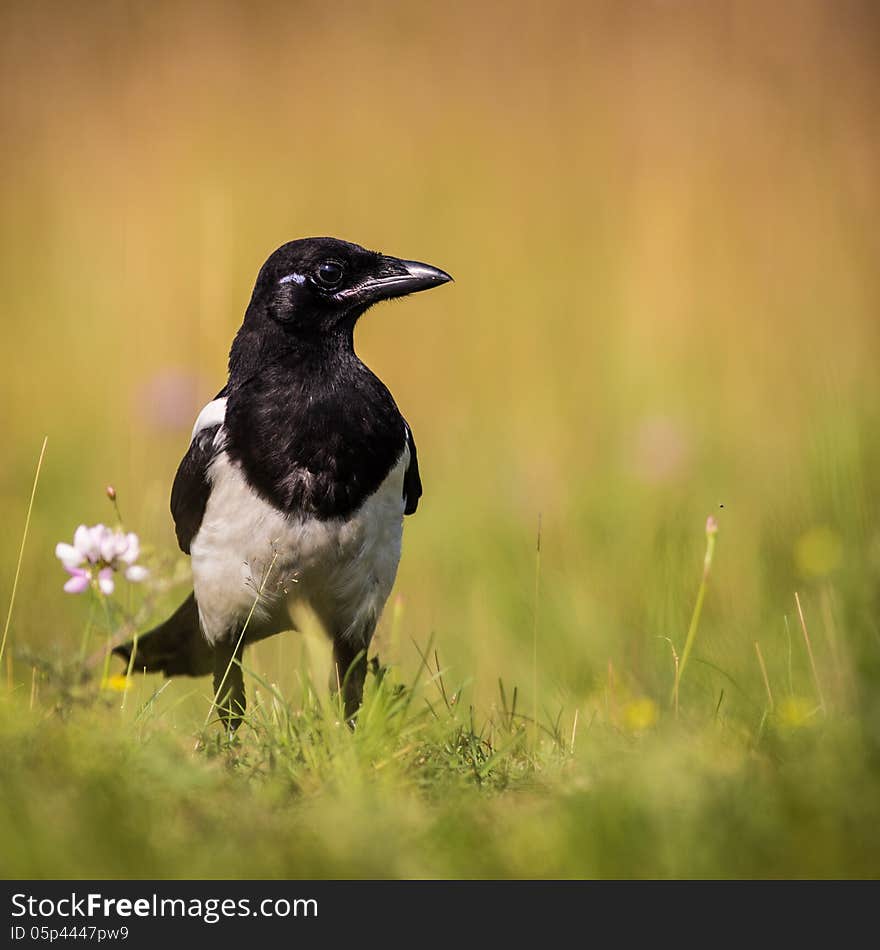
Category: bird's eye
[329,273]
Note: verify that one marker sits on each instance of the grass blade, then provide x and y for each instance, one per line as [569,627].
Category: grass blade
[27,523]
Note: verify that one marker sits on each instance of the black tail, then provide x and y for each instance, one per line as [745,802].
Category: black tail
[175,648]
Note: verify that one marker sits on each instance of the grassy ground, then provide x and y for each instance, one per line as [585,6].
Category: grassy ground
[660,218]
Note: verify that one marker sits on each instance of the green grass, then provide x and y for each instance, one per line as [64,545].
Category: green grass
[116,779]
[426,787]
[660,221]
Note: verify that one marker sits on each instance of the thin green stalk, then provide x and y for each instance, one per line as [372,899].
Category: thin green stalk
[711,533]
[87,631]
[134,649]
[27,523]
[109,651]
[816,680]
[770,704]
[111,494]
[240,640]
[535,638]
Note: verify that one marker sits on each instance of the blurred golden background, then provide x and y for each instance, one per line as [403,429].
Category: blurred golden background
[662,221]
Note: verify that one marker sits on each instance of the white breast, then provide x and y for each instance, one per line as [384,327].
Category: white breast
[248,552]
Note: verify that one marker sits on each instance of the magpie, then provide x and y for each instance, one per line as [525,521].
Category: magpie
[296,479]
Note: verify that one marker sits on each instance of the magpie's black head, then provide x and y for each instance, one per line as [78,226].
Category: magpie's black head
[315,286]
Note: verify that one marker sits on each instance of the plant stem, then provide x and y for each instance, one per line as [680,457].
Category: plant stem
[711,532]
[821,696]
[535,639]
[27,523]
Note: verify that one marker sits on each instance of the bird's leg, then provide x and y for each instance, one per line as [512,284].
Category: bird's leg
[349,673]
[229,695]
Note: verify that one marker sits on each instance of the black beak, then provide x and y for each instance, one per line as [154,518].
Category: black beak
[395,278]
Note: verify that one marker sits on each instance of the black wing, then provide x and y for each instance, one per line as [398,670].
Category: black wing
[412,484]
[191,488]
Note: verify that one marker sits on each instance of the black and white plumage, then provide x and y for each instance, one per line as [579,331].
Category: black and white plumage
[297,476]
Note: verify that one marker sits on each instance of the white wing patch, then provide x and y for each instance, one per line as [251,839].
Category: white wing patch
[213,414]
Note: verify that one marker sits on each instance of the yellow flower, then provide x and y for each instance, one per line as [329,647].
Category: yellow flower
[795,712]
[818,551]
[640,714]
[119,683]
